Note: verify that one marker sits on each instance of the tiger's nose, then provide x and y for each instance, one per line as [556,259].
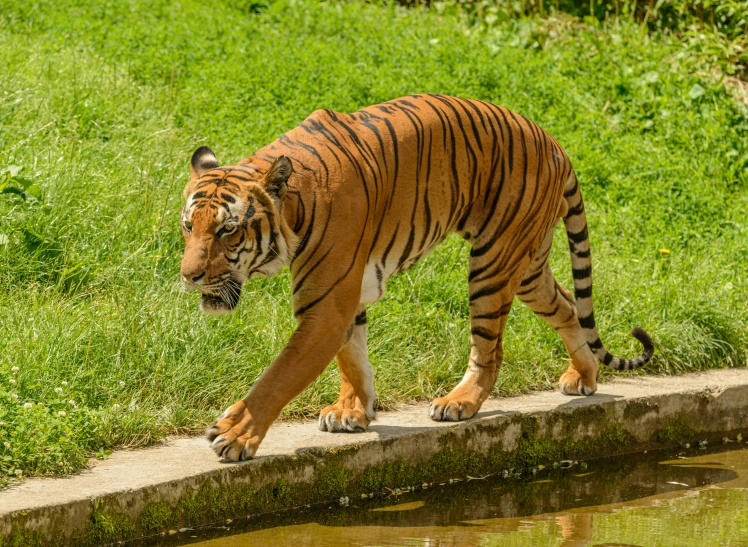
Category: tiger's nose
[192,277]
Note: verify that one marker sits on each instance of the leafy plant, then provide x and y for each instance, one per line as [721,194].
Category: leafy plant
[11,183]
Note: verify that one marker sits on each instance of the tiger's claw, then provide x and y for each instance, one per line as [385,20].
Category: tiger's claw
[232,436]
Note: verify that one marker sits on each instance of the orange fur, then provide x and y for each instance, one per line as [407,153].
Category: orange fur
[347,201]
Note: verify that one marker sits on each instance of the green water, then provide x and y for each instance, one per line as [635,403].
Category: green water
[690,497]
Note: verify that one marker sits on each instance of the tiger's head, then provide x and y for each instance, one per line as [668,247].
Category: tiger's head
[232,227]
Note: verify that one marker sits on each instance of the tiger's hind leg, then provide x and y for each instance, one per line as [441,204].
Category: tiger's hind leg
[543,295]
[355,407]
[488,312]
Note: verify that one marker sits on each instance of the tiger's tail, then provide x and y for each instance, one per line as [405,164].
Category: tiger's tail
[575,222]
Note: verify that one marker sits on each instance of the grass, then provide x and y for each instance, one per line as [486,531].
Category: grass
[714,31]
[102,103]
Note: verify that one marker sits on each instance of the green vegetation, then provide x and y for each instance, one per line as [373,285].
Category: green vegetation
[716,31]
[102,103]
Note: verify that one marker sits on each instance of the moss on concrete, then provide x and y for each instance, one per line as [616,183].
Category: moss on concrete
[636,409]
[105,526]
[155,517]
[675,432]
[23,538]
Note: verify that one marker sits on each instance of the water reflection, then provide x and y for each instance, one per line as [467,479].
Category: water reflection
[675,499]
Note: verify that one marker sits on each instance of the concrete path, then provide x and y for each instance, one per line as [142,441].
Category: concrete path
[181,482]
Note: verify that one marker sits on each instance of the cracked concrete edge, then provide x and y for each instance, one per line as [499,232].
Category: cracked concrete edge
[180,483]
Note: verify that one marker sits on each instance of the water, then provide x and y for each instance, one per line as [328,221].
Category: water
[680,498]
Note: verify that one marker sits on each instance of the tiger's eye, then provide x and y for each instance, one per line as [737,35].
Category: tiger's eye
[188,225]
[227,230]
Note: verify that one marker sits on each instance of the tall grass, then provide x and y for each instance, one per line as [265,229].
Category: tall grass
[101,104]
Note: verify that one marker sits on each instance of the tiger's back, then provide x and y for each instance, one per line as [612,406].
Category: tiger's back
[405,174]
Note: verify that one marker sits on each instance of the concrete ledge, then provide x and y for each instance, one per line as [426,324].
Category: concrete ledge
[180,483]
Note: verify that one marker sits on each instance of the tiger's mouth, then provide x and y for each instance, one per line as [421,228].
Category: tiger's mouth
[224,300]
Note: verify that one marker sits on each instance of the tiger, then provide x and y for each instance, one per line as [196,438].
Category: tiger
[347,201]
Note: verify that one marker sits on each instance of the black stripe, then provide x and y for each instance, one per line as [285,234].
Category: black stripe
[587,322]
[581,254]
[526,281]
[484,333]
[406,252]
[242,168]
[581,273]
[596,344]
[300,212]
[583,293]
[305,238]
[492,315]
[297,286]
[489,290]
[249,213]
[258,233]
[574,211]
[426,206]
[314,251]
[474,273]
[239,177]
[312,150]
[578,237]
[454,188]
[547,314]
[389,246]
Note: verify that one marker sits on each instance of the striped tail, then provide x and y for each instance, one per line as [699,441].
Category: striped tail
[579,244]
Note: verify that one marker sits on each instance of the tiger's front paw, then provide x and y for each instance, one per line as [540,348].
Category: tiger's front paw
[447,409]
[234,436]
[335,418]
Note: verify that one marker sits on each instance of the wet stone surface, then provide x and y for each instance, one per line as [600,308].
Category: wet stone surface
[689,496]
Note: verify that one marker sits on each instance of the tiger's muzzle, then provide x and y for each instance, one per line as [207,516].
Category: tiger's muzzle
[221,299]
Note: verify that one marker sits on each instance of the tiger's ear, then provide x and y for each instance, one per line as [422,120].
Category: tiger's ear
[202,160]
[276,179]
